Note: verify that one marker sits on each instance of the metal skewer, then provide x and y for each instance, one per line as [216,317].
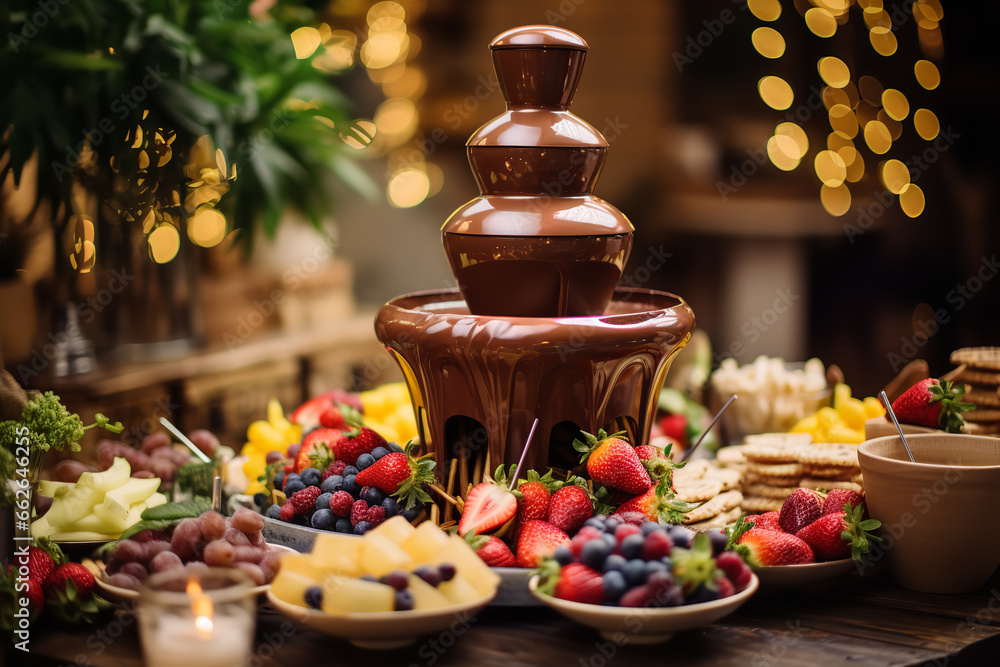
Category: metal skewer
[888,407]
[705,432]
[217,494]
[527,443]
[184,439]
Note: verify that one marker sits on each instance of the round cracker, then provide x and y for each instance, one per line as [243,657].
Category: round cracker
[832,472]
[827,484]
[780,439]
[981,428]
[727,477]
[976,376]
[772,480]
[698,490]
[981,395]
[775,469]
[843,455]
[768,491]
[773,453]
[981,415]
[761,504]
[731,456]
[987,358]
[723,502]
[719,521]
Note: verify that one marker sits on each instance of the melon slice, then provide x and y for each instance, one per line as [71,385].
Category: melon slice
[112,478]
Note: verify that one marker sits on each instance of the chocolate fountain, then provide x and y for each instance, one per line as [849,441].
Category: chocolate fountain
[537,328]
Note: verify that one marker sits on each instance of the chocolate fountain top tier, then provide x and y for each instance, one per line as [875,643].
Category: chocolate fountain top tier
[538,65]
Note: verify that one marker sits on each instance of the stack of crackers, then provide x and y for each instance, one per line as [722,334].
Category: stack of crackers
[716,488]
[979,370]
[778,463]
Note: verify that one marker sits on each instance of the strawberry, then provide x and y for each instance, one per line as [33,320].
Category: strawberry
[613,462]
[840,534]
[580,583]
[569,508]
[489,506]
[837,498]
[316,448]
[675,427]
[767,520]
[799,510]
[340,416]
[657,504]
[402,475]
[934,404]
[361,440]
[491,549]
[73,573]
[761,547]
[35,595]
[649,452]
[40,564]
[537,540]
[308,414]
[535,493]
[695,566]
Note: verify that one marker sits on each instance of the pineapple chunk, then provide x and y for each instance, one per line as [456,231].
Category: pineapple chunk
[338,553]
[397,529]
[346,595]
[424,542]
[120,500]
[426,596]
[303,564]
[459,590]
[458,552]
[291,586]
[379,555]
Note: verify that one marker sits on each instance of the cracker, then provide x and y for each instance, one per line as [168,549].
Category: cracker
[981,428]
[761,504]
[976,376]
[773,453]
[772,480]
[843,455]
[987,358]
[768,491]
[723,502]
[731,456]
[981,395]
[720,521]
[832,472]
[980,415]
[727,477]
[776,469]
[820,483]
[778,439]
[691,471]
[698,490]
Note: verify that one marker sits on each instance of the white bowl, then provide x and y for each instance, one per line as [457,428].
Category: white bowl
[804,575]
[641,625]
[380,629]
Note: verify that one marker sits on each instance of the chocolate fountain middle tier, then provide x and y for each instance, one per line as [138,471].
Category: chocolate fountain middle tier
[480,381]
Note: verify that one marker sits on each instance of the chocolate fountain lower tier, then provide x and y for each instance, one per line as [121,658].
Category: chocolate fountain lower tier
[480,381]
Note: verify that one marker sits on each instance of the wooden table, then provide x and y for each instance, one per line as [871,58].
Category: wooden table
[861,622]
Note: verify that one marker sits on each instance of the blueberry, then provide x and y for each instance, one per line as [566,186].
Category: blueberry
[393,447]
[413,512]
[594,553]
[343,526]
[649,526]
[611,523]
[614,562]
[273,512]
[397,579]
[365,461]
[614,585]
[429,573]
[609,539]
[718,538]
[323,519]
[279,479]
[292,475]
[311,476]
[362,527]
[379,452]
[350,470]
[655,566]
[632,545]
[595,521]
[666,560]
[404,600]
[391,507]
[331,484]
[563,555]
[293,485]
[351,486]
[323,501]
[702,594]
[260,498]
[314,597]
[680,536]
[447,571]
[635,572]
[372,495]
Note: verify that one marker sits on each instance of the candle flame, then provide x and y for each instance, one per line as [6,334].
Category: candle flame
[201,606]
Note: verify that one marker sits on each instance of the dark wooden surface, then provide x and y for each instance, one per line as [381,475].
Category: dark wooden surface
[859,621]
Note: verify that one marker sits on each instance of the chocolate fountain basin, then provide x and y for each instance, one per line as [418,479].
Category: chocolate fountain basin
[480,381]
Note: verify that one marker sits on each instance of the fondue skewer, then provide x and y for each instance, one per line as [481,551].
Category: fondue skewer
[888,408]
[705,432]
[184,439]
[527,443]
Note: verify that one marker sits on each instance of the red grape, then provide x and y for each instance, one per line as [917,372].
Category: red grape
[185,539]
[269,564]
[154,441]
[152,548]
[236,538]
[248,554]
[254,572]
[166,561]
[246,520]
[129,550]
[273,457]
[137,570]
[204,440]
[256,539]
[213,525]
[69,470]
[122,580]
[219,553]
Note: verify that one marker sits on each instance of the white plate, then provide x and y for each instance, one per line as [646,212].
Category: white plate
[380,629]
[641,625]
[119,594]
[804,575]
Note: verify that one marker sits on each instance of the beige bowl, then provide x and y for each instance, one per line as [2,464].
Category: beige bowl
[941,515]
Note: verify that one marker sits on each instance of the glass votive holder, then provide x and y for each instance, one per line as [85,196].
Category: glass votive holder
[197,618]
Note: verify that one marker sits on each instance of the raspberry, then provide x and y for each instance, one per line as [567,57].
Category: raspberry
[305,500]
[736,570]
[359,512]
[376,515]
[337,467]
[287,512]
[726,587]
[341,502]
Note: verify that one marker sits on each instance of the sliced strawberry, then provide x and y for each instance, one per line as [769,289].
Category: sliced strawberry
[488,507]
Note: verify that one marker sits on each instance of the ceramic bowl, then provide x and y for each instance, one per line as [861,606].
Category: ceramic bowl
[784,576]
[940,515]
[381,629]
[641,625]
